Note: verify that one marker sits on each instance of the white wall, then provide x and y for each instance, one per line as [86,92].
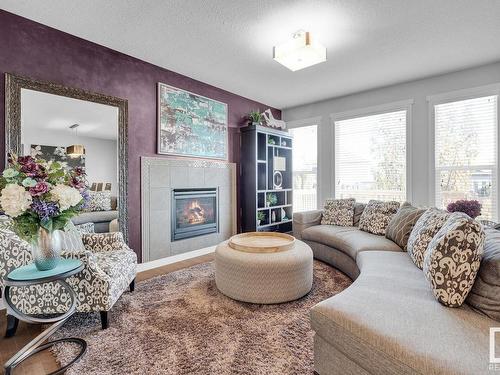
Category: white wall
[416,90]
[100,154]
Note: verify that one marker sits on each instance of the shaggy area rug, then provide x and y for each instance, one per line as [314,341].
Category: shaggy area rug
[179,323]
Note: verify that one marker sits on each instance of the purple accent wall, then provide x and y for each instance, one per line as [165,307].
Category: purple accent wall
[37,51]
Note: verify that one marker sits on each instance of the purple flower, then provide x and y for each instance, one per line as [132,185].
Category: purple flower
[470,207]
[45,210]
[39,189]
[86,198]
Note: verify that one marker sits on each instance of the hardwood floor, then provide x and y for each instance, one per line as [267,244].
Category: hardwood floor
[44,362]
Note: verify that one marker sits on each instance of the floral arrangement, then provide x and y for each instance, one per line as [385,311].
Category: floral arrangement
[41,194]
[470,207]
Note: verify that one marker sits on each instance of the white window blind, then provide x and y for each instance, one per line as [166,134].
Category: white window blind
[305,167]
[370,157]
[466,153]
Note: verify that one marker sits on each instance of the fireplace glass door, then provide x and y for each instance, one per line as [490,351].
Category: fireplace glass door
[194,212]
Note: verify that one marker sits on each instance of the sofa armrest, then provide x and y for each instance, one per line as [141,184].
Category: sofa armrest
[104,241]
[304,220]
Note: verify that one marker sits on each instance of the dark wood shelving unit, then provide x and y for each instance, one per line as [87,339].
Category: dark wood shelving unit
[261,148]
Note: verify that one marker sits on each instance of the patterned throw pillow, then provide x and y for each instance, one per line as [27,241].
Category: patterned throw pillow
[339,212]
[402,223]
[424,230]
[99,201]
[71,238]
[452,260]
[377,215]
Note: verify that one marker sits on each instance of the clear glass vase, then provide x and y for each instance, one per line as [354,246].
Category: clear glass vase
[46,249]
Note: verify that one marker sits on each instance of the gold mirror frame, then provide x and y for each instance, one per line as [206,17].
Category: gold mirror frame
[13,86]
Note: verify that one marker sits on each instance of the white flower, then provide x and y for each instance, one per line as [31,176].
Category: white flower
[66,196]
[15,200]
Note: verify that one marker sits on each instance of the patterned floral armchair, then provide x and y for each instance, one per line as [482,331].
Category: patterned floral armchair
[110,268]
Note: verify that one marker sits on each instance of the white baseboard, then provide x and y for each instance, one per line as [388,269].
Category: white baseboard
[161,262]
[174,259]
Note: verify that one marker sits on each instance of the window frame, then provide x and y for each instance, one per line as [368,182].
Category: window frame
[311,121]
[402,105]
[455,96]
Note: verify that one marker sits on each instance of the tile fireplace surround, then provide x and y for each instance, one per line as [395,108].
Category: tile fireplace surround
[159,176]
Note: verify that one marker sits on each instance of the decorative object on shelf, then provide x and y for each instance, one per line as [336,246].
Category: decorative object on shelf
[283,143]
[283,215]
[271,199]
[279,165]
[271,141]
[470,207]
[57,153]
[299,52]
[271,121]
[273,217]
[41,197]
[191,124]
[255,117]
[261,216]
[75,150]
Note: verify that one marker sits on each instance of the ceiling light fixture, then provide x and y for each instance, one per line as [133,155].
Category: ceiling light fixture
[76,150]
[299,52]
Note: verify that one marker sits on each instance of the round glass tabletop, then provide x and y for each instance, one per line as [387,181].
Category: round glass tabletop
[30,272]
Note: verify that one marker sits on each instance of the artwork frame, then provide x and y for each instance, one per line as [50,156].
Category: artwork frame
[184,104]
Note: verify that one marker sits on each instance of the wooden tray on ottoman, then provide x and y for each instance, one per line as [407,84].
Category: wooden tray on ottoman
[262,242]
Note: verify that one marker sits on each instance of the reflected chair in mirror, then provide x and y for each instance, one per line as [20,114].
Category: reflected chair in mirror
[109,270]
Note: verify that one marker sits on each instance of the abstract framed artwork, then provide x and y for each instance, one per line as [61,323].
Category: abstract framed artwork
[57,153]
[191,125]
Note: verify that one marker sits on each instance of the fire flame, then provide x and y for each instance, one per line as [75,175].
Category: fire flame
[195,213]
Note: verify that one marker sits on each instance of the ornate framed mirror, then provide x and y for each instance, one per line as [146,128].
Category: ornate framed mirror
[45,117]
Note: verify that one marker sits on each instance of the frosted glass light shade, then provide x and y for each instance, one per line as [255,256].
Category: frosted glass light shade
[74,151]
[299,52]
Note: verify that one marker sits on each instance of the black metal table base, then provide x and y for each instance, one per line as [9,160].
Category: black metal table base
[80,342]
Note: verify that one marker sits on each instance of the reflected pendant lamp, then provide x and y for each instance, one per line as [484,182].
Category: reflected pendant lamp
[75,150]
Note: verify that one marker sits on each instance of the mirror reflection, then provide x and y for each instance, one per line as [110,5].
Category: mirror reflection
[76,133]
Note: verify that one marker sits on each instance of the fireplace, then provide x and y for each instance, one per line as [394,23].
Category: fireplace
[194,212]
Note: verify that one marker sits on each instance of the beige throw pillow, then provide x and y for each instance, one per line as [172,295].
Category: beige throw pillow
[339,212]
[377,215]
[424,230]
[452,259]
[402,223]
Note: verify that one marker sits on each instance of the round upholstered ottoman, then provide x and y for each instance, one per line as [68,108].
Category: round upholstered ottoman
[269,277]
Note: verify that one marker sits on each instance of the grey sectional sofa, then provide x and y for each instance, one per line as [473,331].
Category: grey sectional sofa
[387,321]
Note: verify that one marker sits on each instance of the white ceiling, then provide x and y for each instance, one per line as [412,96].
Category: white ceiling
[228,43]
[46,112]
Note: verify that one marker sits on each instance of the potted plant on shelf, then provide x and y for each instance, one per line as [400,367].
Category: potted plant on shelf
[470,207]
[261,216]
[41,197]
[255,117]
[271,199]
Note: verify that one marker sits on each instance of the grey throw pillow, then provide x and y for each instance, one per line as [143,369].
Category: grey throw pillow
[358,211]
[485,294]
[338,212]
[377,215]
[423,232]
[452,260]
[402,224]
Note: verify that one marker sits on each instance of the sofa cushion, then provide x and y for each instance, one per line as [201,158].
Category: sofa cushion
[95,217]
[358,211]
[389,320]
[402,223]
[349,240]
[339,212]
[424,230]
[377,215]
[453,258]
[485,294]
[99,201]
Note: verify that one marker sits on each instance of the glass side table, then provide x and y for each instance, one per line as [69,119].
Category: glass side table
[26,276]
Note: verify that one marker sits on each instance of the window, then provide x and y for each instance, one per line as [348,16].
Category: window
[305,166]
[370,157]
[465,159]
